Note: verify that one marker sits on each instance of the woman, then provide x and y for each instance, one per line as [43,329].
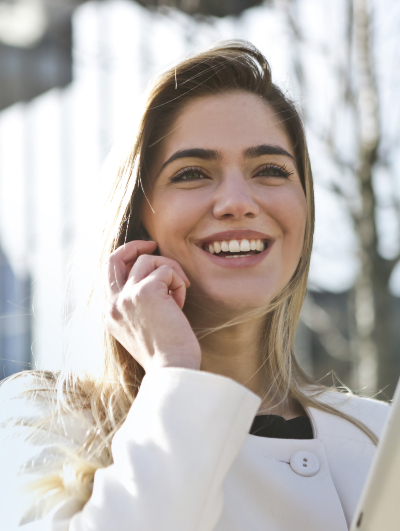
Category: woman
[205,261]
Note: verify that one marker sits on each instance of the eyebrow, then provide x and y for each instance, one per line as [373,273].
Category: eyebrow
[210,154]
[265,149]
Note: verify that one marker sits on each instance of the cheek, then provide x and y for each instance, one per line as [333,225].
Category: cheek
[173,218]
[298,227]
[291,213]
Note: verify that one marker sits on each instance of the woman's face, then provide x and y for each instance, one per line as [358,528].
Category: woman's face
[223,186]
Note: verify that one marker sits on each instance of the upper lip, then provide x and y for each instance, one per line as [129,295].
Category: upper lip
[235,235]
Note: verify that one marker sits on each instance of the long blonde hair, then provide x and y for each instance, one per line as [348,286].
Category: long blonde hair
[105,399]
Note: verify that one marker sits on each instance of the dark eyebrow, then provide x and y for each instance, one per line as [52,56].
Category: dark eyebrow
[194,153]
[265,149]
[211,154]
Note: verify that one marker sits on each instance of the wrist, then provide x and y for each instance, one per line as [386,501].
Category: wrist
[160,361]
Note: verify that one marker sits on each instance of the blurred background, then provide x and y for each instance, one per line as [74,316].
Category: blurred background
[72,74]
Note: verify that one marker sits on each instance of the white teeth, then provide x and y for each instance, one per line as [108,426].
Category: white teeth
[244,246]
[237,255]
[217,247]
[234,246]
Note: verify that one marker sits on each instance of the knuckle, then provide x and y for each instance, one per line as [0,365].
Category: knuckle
[109,259]
[143,258]
[113,313]
[143,290]
[125,303]
[166,268]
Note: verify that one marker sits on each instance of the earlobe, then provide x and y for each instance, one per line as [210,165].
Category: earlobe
[143,234]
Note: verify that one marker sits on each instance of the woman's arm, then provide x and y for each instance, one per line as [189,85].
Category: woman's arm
[171,456]
[185,427]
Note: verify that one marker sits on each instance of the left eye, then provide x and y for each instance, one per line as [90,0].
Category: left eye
[272,170]
[189,174]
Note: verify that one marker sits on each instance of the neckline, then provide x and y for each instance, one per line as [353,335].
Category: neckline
[270,415]
[277,427]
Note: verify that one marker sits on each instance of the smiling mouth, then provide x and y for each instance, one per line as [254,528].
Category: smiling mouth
[236,248]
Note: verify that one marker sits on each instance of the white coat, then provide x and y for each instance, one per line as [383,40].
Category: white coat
[184,461]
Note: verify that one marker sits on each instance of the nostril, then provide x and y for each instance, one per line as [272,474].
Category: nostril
[235,206]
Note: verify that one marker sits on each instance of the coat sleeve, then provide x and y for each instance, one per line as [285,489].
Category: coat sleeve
[171,456]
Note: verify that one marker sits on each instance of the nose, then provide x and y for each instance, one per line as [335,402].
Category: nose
[234,198]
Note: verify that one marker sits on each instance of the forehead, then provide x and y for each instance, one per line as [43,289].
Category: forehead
[228,123]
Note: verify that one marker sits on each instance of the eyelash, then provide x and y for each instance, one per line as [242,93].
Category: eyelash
[179,176]
[282,171]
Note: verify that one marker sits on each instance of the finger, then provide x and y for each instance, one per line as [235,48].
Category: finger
[174,284]
[147,264]
[129,252]
[179,295]
[120,262]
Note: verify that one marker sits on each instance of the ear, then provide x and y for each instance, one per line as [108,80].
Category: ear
[142,233]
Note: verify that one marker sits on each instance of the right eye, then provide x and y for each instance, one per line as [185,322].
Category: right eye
[188,174]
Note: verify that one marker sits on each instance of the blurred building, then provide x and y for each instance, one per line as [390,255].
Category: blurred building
[36,40]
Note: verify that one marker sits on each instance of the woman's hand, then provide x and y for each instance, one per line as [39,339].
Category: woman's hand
[145,295]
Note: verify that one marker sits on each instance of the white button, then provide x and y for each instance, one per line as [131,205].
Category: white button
[304,463]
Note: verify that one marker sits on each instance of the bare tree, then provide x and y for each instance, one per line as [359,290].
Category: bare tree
[373,343]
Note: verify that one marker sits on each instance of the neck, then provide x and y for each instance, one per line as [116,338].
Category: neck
[236,351]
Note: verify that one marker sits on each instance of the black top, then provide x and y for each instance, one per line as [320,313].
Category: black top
[279,428]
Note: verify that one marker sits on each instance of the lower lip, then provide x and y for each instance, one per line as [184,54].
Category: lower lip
[245,261]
